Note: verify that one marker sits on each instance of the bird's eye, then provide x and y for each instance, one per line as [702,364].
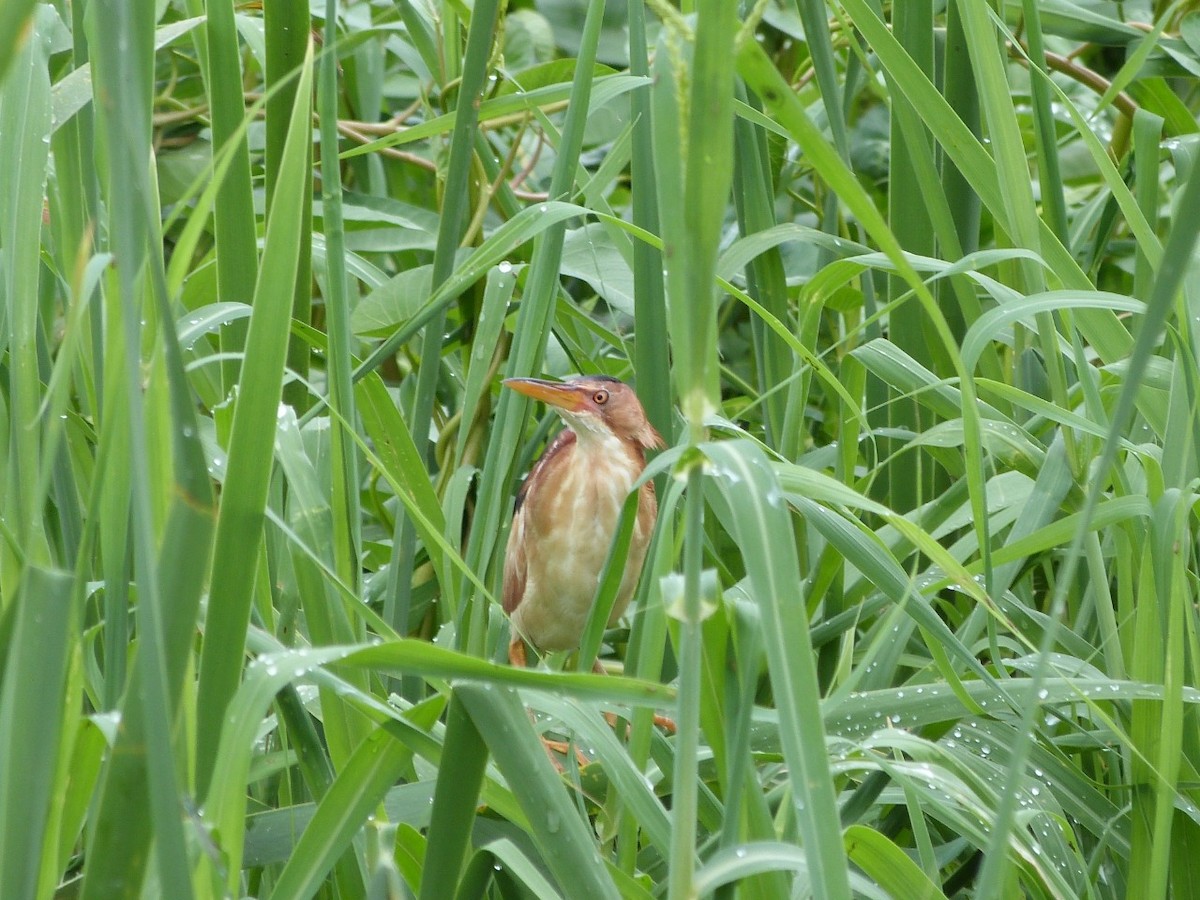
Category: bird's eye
[600,397]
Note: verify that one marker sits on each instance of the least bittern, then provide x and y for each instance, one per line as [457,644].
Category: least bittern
[568,509]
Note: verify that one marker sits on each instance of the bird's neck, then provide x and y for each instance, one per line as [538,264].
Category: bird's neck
[608,449]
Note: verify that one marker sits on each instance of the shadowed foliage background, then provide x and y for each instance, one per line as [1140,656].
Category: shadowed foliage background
[911,291]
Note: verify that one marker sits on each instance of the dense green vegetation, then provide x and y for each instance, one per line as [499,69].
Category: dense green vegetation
[912,292]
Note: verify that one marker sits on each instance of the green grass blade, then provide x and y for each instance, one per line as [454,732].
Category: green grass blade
[287,28]
[233,222]
[24,137]
[354,794]
[15,26]
[239,523]
[761,528]
[347,516]
[562,837]
[454,803]
[650,312]
[31,720]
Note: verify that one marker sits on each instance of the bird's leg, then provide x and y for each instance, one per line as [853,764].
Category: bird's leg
[516,652]
[518,658]
[666,723]
[660,721]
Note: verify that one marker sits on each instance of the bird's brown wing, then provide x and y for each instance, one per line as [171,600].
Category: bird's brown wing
[514,563]
[514,556]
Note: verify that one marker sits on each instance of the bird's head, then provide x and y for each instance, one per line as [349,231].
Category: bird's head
[594,405]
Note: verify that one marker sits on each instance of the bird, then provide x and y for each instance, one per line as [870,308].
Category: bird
[568,509]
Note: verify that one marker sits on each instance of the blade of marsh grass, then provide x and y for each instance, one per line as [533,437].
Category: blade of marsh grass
[609,583]
[233,215]
[1148,662]
[75,796]
[754,195]
[72,207]
[650,363]
[890,867]
[344,509]
[563,838]
[912,24]
[1156,730]
[747,814]
[123,68]
[182,567]
[358,789]
[120,830]
[507,856]
[988,326]
[1052,486]
[1012,169]
[682,865]
[456,202]
[16,28]
[455,195]
[693,111]
[310,516]
[962,97]
[1171,728]
[420,30]
[1138,224]
[747,860]
[312,757]
[1147,133]
[1050,180]
[910,198]
[431,661]
[460,776]
[24,144]
[820,48]
[691,239]
[497,295]
[31,721]
[860,548]
[761,527]
[286,34]
[239,522]
[394,445]
[647,650]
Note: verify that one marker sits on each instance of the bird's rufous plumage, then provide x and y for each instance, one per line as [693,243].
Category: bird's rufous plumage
[568,510]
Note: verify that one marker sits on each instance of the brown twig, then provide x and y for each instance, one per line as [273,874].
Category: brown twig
[1089,78]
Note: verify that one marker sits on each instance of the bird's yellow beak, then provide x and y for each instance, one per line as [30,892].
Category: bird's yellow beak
[561,395]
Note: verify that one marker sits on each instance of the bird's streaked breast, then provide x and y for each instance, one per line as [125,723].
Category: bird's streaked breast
[567,534]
